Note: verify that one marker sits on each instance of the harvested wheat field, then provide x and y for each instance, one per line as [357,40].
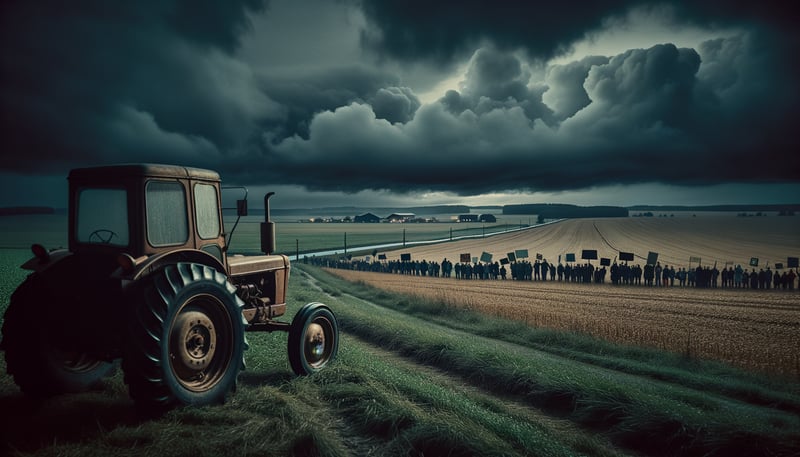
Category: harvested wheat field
[753,329]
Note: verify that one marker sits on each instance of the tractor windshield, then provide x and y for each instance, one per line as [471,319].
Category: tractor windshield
[102,216]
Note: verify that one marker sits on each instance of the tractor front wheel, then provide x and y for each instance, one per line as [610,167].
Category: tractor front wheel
[187,338]
[313,339]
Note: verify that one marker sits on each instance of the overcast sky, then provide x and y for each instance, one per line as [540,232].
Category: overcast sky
[409,103]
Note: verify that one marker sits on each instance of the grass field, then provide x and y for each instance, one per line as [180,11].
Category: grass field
[423,376]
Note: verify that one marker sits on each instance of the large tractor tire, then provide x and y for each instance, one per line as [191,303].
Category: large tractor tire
[313,339]
[40,360]
[187,338]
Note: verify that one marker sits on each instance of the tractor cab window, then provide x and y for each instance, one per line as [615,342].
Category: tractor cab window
[102,216]
[206,206]
[167,222]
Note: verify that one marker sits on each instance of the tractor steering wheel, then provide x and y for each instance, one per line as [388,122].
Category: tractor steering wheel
[102,236]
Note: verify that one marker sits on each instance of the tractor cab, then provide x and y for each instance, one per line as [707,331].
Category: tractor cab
[145,209]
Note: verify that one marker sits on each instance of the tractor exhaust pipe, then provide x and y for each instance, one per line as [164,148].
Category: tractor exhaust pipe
[267,228]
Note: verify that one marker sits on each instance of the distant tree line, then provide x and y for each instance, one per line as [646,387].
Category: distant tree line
[779,208]
[559,210]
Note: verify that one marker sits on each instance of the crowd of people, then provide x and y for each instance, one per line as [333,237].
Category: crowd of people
[621,273]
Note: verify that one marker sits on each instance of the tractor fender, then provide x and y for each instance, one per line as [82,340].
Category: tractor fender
[158,261]
[38,265]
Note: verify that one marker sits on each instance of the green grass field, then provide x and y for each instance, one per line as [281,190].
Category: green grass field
[419,378]
[413,378]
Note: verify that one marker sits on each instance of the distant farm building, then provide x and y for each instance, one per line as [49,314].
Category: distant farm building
[400,217]
[467,218]
[487,218]
[368,218]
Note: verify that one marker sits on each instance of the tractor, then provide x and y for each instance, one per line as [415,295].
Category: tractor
[147,283]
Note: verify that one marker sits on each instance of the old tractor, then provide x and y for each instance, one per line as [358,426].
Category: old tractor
[147,280]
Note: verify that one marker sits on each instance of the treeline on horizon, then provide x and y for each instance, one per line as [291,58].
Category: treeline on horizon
[764,207]
[562,210]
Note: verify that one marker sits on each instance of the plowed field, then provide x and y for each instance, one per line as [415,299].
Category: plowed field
[717,239]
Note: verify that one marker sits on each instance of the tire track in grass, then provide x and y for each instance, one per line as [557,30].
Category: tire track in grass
[644,414]
[480,404]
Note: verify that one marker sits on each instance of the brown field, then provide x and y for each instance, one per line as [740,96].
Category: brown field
[754,329]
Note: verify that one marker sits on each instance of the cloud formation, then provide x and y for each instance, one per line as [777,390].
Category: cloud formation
[644,115]
[150,82]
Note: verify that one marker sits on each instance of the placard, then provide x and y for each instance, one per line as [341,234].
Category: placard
[570,257]
[504,261]
[626,256]
[465,258]
[652,258]
[589,254]
[753,261]
[405,257]
[792,262]
[605,262]
[521,253]
[486,257]
[511,257]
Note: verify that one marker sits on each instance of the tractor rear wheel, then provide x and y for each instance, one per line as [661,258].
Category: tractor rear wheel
[42,362]
[313,339]
[186,338]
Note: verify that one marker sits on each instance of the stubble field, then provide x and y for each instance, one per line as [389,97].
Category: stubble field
[756,330]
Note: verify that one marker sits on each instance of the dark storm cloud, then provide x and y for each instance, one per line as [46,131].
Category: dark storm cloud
[445,30]
[160,82]
[565,93]
[395,104]
[497,80]
[303,96]
[92,81]
[647,115]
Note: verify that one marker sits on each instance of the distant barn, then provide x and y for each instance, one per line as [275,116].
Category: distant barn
[487,218]
[368,217]
[400,217]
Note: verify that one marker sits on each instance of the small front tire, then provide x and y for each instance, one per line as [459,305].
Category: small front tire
[313,339]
